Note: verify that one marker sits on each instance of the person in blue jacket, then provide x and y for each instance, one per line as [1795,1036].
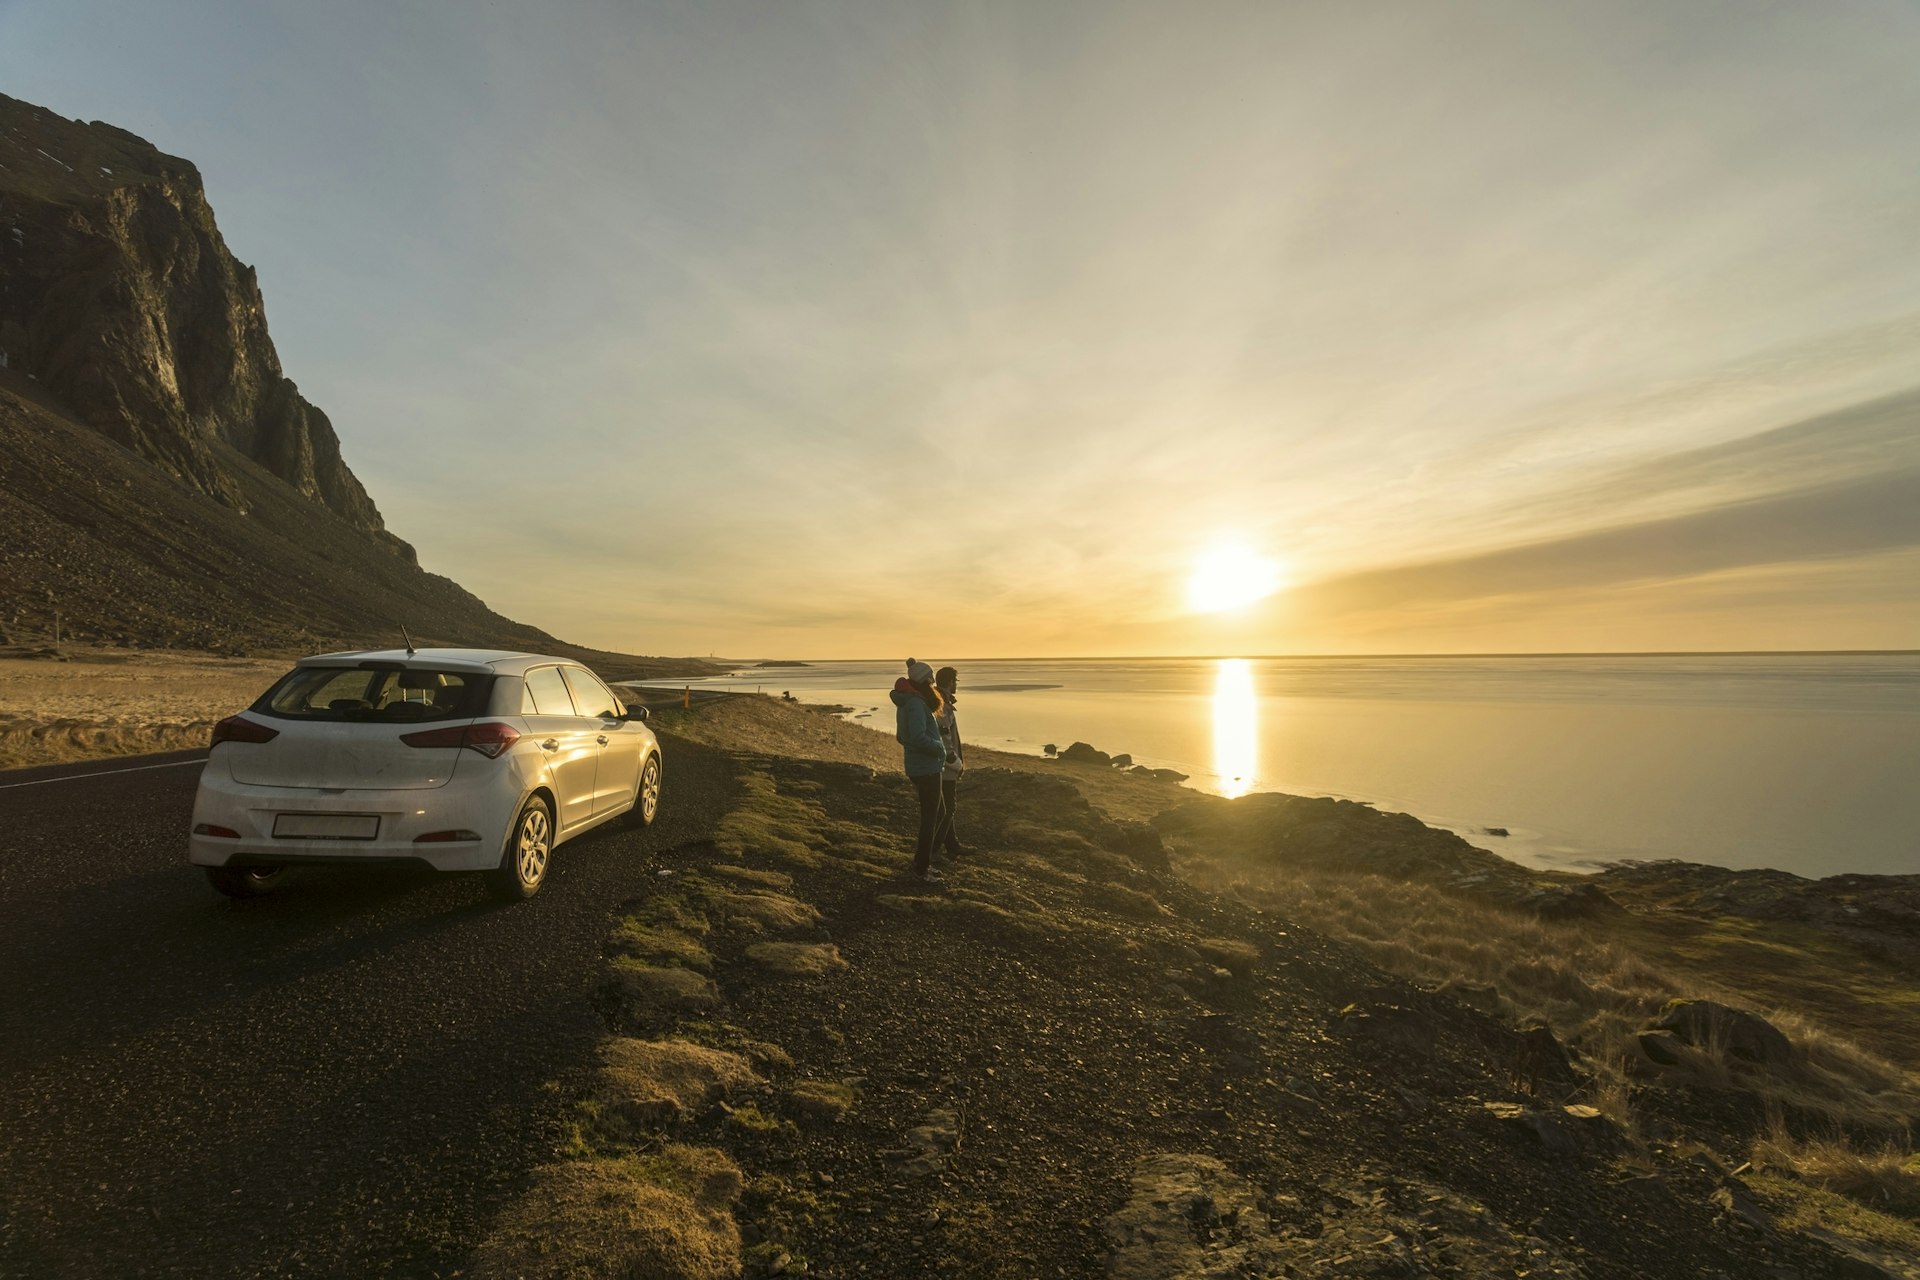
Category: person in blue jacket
[915,703]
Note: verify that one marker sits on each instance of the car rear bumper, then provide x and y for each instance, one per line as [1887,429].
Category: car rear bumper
[402,816]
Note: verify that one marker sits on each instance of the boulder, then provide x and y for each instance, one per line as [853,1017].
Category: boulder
[927,1147]
[1747,1036]
[1560,1130]
[1541,1056]
[1662,1048]
[1123,761]
[1545,1127]
[1084,753]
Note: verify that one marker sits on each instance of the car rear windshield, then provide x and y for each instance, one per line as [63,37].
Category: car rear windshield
[384,695]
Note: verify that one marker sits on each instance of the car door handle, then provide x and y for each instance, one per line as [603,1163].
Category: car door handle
[551,744]
[602,739]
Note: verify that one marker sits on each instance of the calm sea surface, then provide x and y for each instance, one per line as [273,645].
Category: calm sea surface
[1806,763]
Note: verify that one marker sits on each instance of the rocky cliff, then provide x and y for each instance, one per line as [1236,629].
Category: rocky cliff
[118,296]
[163,484]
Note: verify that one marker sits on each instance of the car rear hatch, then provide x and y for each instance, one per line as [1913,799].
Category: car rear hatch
[348,727]
[336,756]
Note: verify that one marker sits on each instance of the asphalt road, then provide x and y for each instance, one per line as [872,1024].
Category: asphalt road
[346,1078]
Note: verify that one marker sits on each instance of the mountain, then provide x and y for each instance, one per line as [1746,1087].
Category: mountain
[122,300]
[162,481]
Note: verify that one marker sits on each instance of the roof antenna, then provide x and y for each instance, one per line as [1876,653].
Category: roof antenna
[409,639]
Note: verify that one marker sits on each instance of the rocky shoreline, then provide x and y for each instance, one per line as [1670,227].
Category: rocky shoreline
[1102,1050]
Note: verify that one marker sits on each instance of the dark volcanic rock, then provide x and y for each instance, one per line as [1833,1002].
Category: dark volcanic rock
[1084,753]
[1662,1047]
[121,299]
[1744,1035]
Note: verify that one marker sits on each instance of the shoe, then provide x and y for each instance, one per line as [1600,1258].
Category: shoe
[929,876]
[959,851]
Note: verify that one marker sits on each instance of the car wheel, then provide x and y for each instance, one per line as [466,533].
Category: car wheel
[245,882]
[646,796]
[529,851]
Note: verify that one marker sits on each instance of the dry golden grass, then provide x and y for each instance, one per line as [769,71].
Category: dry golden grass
[1886,1178]
[108,703]
[749,875]
[1889,1241]
[796,959]
[662,1217]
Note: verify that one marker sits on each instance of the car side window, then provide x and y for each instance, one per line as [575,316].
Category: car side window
[547,692]
[592,697]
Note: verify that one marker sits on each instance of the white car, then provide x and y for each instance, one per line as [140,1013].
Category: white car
[458,759]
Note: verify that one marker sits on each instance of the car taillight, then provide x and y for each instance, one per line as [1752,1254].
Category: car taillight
[209,829]
[240,729]
[489,739]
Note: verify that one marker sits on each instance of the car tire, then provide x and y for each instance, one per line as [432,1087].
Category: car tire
[646,793]
[528,855]
[245,882]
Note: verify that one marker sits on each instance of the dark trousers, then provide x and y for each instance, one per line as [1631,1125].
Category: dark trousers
[927,791]
[944,838]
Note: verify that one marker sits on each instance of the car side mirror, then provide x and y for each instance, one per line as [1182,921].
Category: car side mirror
[636,713]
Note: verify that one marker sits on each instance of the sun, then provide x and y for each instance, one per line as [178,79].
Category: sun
[1230,577]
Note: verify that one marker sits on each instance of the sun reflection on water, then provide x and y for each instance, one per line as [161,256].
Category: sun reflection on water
[1236,727]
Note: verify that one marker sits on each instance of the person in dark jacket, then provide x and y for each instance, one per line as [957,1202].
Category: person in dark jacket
[945,682]
[915,703]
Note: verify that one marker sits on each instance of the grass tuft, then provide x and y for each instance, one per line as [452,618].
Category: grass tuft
[1885,1178]
[662,1215]
[796,959]
[823,1100]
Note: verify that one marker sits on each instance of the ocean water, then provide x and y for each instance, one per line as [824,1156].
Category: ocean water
[1806,763]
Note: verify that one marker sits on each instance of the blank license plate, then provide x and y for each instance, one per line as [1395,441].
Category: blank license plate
[326,826]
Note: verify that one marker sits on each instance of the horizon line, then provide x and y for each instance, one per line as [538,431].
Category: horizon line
[1541,653]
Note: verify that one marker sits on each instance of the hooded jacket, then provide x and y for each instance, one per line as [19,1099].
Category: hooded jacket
[915,730]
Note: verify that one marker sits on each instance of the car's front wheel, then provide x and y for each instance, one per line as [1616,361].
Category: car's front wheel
[646,796]
[529,851]
[245,882]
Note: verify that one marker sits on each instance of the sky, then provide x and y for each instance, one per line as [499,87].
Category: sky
[808,330]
